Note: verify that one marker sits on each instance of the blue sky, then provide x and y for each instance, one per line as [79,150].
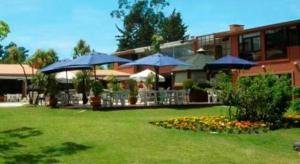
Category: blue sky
[59,24]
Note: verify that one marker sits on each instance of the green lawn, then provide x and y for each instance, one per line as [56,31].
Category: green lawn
[40,135]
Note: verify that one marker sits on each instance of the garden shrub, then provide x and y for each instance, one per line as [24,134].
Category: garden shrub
[296,102]
[258,98]
[263,97]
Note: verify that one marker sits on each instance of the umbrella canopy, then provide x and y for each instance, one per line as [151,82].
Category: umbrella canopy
[230,62]
[63,77]
[96,58]
[62,65]
[143,75]
[156,60]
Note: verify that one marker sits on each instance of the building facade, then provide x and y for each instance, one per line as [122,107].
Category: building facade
[275,48]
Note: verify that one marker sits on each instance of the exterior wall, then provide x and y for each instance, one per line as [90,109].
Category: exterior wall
[290,65]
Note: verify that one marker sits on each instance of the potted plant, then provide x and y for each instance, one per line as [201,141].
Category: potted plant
[97,89]
[133,91]
[196,94]
[52,89]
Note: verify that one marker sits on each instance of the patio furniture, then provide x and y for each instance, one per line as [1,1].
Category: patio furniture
[42,99]
[212,97]
[119,97]
[107,100]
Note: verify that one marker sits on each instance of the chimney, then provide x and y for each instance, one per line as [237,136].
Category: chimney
[236,27]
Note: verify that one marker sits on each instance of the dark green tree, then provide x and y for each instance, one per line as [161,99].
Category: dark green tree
[141,20]
[172,28]
[4,56]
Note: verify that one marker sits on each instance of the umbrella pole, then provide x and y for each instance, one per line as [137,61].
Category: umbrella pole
[95,72]
[157,84]
[68,96]
[156,78]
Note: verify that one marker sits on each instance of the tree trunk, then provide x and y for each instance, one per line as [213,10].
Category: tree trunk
[25,75]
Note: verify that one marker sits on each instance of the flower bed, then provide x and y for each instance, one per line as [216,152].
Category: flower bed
[213,124]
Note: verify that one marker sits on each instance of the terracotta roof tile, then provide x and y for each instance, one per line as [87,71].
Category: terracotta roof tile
[15,70]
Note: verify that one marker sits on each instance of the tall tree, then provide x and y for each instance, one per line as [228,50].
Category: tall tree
[42,58]
[81,48]
[172,28]
[38,60]
[15,55]
[141,21]
[4,58]
[82,79]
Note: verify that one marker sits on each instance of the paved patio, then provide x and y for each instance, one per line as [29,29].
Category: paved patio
[11,104]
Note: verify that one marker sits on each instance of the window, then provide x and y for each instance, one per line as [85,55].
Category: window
[207,42]
[294,35]
[250,47]
[276,44]
[223,47]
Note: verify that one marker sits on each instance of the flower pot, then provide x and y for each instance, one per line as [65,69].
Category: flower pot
[132,100]
[52,102]
[96,102]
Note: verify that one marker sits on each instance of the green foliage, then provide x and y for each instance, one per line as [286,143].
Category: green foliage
[143,19]
[157,40]
[172,28]
[39,80]
[42,58]
[97,88]
[296,105]
[82,48]
[113,84]
[13,54]
[188,84]
[82,82]
[263,97]
[51,85]
[133,88]
[4,30]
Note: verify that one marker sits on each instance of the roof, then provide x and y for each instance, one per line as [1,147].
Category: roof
[197,61]
[15,70]
[288,23]
[165,45]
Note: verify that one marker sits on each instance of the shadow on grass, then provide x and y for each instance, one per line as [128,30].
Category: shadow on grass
[47,154]
[21,133]
[11,149]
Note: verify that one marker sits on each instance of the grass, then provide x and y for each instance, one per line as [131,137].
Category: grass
[41,135]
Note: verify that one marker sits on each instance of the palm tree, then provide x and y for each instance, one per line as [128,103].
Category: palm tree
[38,60]
[82,48]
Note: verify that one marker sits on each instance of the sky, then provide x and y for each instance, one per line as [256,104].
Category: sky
[59,24]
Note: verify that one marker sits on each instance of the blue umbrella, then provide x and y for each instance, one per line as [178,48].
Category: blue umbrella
[230,62]
[96,58]
[156,60]
[62,65]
